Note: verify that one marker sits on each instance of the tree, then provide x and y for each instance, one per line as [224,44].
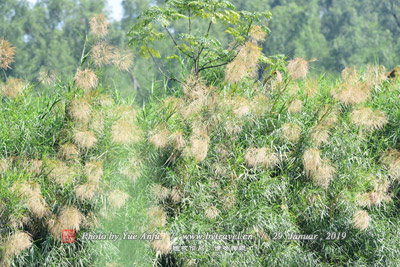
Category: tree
[197,45]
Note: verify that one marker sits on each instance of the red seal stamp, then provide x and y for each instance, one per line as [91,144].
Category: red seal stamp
[68,236]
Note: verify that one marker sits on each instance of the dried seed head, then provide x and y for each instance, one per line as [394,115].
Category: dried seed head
[122,59]
[320,135]
[60,172]
[160,192]
[361,220]
[198,146]
[375,75]
[33,198]
[7,52]
[162,245]
[324,174]
[117,198]
[291,132]
[69,218]
[84,139]
[298,68]
[176,195]
[211,212]
[86,79]
[94,171]
[369,118]
[159,138]
[79,110]
[245,63]
[352,93]
[241,106]
[13,87]
[102,54]
[97,122]
[16,243]
[157,217]
[86,191]
[179,141]
[33,166]
[295,106]
[311,87]
[125,132]
[257,33]
[261,156]
[98,25]
[68,151]
[47,77]
[311,160]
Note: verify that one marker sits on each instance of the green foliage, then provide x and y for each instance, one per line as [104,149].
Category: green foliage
[202,50]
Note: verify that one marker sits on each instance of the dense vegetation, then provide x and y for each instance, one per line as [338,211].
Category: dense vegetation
[50,34]
[230,140]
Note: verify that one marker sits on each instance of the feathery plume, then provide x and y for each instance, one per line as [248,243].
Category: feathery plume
[361,219]
[79,110]
[33,198]
[84,139]
[160,192]
[241,106]
[98,25]
[298,68]
[352,93]
[291,132]
[47,77]
[7,52]
[375,75]
[117,198]
[13,87]
[86,79]
[198,146]
[369,118]
[97,122]
[159,138]
[295,106]
[16,243]
[162,245]
[69,218]
[33,166]
[86,191]
[320,135]
[311,160]
[350,74]
[94,171]
[157,217]
[178,140]
[122,59]
[261,156]
[257,33]
[311,87]
[60,172]
[102,54]
[211,212]
[244,64]
[324,174]
[124,132]
[176,195]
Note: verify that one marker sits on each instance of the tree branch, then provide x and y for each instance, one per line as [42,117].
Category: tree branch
[160,69]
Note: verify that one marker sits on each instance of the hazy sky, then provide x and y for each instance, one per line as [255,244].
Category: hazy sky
[113,5]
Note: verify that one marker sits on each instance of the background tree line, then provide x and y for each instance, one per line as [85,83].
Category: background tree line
[339,33]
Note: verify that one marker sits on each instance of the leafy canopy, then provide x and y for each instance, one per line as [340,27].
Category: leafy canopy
[203,50]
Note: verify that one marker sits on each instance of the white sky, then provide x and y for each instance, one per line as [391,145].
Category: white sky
[113,5]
